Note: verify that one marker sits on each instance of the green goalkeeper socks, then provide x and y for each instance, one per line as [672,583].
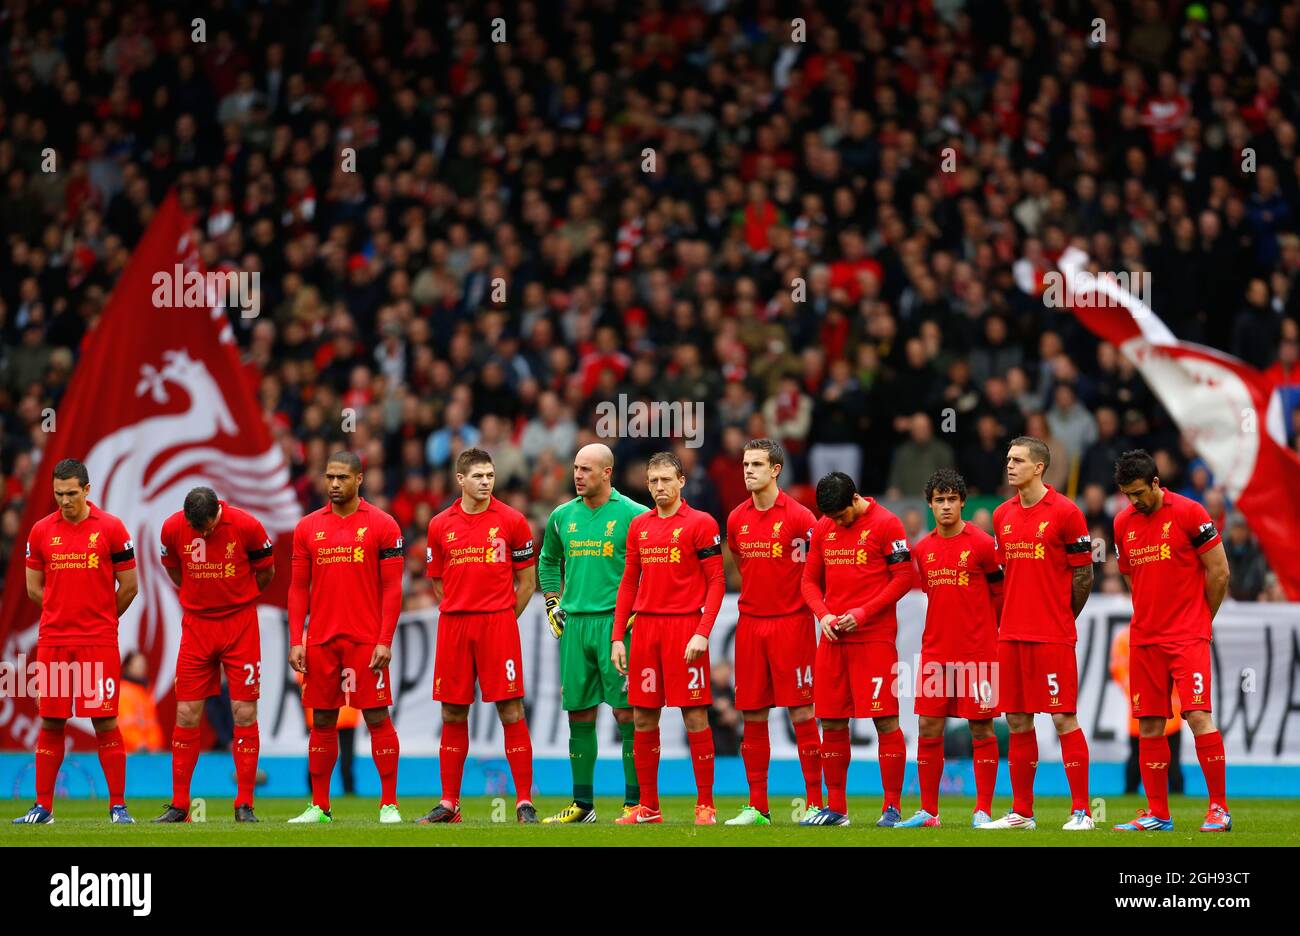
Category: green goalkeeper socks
[633,795]
[582,760]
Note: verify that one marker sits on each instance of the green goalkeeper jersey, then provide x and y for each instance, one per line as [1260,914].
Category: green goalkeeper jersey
[584,550]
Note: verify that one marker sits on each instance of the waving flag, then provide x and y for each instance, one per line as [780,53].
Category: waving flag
[1224,407]
[156,405]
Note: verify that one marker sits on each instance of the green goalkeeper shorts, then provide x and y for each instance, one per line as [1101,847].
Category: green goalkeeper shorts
[587,674]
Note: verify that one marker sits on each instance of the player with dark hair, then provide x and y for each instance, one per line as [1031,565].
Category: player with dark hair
[81,574]
[673,583]
[776,637]
[1046,555]
[480,557]
[220,558]
[1177,569]
[957,677]
[858,567]
[347,574]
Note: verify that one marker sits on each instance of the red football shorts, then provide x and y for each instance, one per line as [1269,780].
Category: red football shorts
[1037,677]
[957,689]
[87,676]
[208,644]
[1155,669]
[478,645]
[339,674]
[774,661]
[856,680]
[657,671]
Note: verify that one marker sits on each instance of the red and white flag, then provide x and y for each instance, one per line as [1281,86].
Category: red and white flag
[156,405]
[1223,406]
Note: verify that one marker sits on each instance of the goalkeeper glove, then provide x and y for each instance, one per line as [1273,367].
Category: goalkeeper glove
[555,616]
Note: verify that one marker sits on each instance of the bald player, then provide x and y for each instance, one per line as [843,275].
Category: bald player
[583,552]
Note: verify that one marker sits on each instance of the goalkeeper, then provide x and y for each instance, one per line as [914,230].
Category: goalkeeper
[582,557]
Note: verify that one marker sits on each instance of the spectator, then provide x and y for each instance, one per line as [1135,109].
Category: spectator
[724,720]
[1245,563]
[1070,422]
[917,458]
[137,716]
[839,418]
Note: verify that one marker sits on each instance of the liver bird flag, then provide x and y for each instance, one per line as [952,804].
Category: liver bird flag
[1223,406]
[156,405]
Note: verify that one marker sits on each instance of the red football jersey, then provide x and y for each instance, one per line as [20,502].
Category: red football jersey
[217,570]
[80,562]
[1162,554]
[770,547]
[848,567]
[476,556]
[1039,548]
[957,573]
[671,563]
[339,559]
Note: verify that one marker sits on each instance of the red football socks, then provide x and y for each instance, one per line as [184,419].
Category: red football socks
[756,751]
[322,754]
[1153,757]
[929,770]
[1074,754]
[835,767]
[451,760]
[248,743]
[1022,758]
[1214,764]
[185,755]
[893,762]
[645,752]
[112,757]
[519,754]
[810,759]
[385,750]
[985,752]
[702,759]
[49,758]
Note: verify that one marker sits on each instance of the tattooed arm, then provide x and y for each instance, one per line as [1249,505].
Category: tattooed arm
[1080,588]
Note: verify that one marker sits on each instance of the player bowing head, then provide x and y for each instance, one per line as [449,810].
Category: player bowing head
[220,559]
[838,498]
[857,569]
[71,489]
[1135,475]
[1173,557]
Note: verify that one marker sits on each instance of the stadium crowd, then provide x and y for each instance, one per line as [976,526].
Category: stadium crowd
[671,200]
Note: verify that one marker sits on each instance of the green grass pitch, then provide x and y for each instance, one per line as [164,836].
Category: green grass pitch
[85,823]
